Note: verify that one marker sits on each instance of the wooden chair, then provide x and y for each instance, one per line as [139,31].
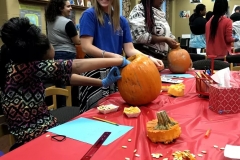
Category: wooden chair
[234,68]
[4,130]
[53,91]
[63,114]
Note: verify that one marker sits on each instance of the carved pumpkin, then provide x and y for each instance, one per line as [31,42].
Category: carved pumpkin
[141,82]
[163,129]
[179,60]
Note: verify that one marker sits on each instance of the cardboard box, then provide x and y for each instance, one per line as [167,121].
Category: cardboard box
[224,100]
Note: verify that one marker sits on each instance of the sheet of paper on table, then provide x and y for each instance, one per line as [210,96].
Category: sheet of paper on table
[232,152]
[170,80]
[177,75]
[89,131]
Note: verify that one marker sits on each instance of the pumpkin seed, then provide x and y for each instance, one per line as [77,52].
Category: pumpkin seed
[127,158]
[222,148]
[200,155]
[135,151]
[124,147]
[215,146]
[165,158]
[129,140]
[204,152]
[137,155]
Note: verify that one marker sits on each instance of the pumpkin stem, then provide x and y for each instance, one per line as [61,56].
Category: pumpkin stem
[164,122]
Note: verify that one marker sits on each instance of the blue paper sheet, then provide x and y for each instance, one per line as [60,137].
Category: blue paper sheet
[89,131]
[178,75]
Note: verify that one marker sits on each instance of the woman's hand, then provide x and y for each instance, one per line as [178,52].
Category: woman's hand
[112,77]
[171,43]
[125,62]
[159,64]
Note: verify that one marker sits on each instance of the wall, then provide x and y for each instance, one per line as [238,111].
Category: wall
[179,25]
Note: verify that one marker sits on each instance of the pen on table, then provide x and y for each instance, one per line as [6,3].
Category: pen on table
[207,133]
[105,121]
[199,76]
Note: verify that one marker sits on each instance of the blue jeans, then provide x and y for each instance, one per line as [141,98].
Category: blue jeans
[64,55]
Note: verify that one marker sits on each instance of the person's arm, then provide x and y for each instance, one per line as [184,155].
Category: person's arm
[78,80]
[89,48]
[228,33]
[72,33]
[84,65]
[88,24]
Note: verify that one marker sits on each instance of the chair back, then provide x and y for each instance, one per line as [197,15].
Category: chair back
[4,130]
[196,57]
[202,64]
[54,91]
[234,68]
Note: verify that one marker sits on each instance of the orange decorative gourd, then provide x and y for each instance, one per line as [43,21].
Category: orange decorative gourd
[141,82]
[179,60]
[163,129]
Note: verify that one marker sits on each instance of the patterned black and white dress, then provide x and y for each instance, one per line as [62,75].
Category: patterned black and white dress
[140,32]
[23,96]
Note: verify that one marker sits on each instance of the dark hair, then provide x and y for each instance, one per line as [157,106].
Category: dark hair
[209,14]
[23,42]
[235,17]
[148,11]
[53,9]
[199,8]
[237,8]
[220,8]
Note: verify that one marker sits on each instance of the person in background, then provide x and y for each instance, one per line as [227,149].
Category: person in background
[104,33]
[237,9]
[209,14]
[235,17]
[26,61]
[61,30]
[63,36]
[219,31]
[150,30]
[197,26]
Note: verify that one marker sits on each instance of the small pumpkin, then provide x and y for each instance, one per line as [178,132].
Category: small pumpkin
[163,129]
[141,81]
[179,60]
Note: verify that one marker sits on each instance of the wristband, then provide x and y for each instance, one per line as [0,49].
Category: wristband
[103,53]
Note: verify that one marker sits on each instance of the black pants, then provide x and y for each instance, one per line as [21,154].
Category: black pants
[149,51]
[16,145]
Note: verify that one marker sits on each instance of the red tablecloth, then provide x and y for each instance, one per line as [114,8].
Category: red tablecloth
[190,111]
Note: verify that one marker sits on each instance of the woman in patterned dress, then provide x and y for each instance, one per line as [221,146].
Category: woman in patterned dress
[26,61]
[104,33]
[150,30]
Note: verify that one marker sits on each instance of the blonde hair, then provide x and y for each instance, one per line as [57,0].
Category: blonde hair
[113,11]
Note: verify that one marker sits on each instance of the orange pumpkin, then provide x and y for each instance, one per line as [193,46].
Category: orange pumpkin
[163,129]
[179,60]
[141,82]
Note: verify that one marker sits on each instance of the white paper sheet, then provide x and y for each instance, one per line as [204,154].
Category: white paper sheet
[232,152]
